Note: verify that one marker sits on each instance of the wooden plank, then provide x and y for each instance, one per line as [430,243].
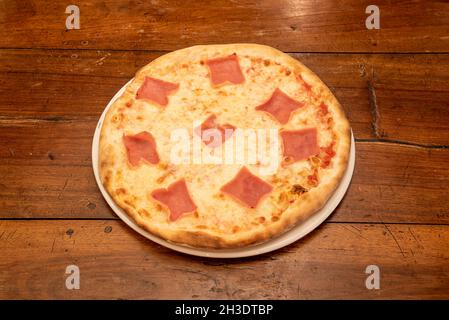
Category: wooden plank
[46,171]
[49,175]
[300,26]
[397,183]
[30,191]
[407,96]
[395,97]
[100,63]
[411,98]
[116,263]
[55,96]
[47,143]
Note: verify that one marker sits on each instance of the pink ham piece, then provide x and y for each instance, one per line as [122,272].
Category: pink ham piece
[280,106]
[225,69]
[141,146]
[209,137]
[176,199]
[247,188]
[300,144]
[156,90]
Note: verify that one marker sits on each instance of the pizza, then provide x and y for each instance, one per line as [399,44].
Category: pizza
[223,146]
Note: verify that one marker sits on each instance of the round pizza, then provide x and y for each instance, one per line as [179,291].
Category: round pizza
[223,146]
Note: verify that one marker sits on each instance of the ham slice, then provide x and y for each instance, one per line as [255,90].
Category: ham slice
[247,188]
[176,199]
[213,134]
[225,69]
[156,90]
[280,106]
[300,144]
[141,146]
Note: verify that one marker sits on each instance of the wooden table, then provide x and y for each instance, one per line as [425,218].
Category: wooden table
[393,84]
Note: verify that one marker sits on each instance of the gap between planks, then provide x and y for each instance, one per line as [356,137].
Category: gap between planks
[167,51]
[324,222]
[8,121]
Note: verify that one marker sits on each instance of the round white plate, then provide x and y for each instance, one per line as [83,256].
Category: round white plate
[283,240]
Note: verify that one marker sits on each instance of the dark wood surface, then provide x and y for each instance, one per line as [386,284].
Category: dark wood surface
[294,26]
[393,84]
[115,263]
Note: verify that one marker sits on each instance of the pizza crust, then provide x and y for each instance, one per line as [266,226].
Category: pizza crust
[114,170]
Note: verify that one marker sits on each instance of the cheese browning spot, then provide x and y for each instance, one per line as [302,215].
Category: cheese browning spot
[117,118]
[161,178]
[261,220]
[287,160]
[298,189]
[282,197]
[315,161]
[144,213]
[219,196]
[163,165]
[107,177]
[169,170]
[128,202]
[120,191]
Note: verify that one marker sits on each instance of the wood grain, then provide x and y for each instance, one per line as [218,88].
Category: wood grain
[391,97]
[116,263]
[59,95]
[337,26]
[397,183]
[49,175]
[407,95]
[55,84]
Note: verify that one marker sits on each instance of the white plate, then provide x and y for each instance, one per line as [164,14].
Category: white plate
[285,239]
